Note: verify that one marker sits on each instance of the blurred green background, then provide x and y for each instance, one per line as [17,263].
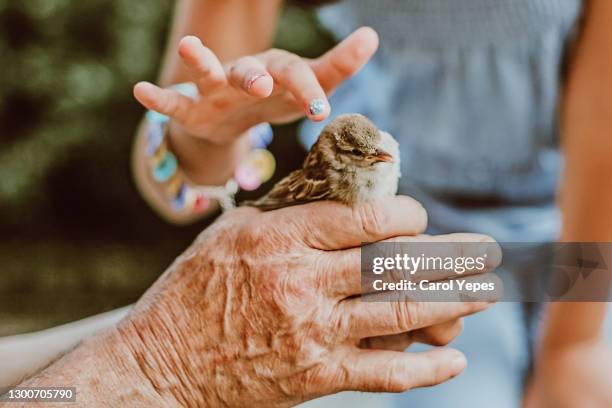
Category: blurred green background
[75,237]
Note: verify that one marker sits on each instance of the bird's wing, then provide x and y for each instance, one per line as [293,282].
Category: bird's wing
[300,186]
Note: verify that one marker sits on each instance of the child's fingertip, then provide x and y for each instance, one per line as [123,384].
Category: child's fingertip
[318,109]
[144,88]
[139,88]
[188,46]
[319,118]
[190,39]
[260,85]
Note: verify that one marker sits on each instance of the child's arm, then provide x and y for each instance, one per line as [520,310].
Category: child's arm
[207,133]
[230,29]
[586,193]
[573,352]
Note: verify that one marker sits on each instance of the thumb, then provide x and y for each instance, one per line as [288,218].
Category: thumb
[329,225]
[346,58]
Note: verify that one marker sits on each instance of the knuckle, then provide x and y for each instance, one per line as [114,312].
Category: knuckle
[249,60]
[202,66]
[320,378]
[291,300]
[341,67]
[395,380]
[309,354]
[275,52]
[252,235]
[171,105]
[409,315]
[370,219]
[292,64]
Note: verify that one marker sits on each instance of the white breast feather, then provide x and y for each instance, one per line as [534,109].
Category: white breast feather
[382,180]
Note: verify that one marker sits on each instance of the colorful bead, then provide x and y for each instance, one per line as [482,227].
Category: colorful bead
[178,202]
[156,117]
[155,137]
[247,177]
[260,136]
[165,168]
[159,155]
[232,186]
[174,185]
[201,203]
[263,162]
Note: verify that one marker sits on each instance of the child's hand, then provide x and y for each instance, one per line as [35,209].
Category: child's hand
[274,86]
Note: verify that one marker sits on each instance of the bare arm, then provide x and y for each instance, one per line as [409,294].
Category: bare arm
[208,133]
[25,354]
[181,346]
[586,196]
[230,28]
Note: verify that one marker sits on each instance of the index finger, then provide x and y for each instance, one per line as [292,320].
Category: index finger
[366,319]
[329,225]
[293,73]
[345,279]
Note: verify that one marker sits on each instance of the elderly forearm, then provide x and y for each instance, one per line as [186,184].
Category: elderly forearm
[104,373]
[25,354]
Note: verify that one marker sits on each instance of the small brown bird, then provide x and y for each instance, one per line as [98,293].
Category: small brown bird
[351,162]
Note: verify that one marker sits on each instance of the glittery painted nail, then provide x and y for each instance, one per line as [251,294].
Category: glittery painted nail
[316,107]
[251,80]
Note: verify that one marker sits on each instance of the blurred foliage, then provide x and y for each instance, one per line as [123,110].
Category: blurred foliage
[75,237]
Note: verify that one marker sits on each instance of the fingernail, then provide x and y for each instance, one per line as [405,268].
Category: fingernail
[251,80]
[316,107]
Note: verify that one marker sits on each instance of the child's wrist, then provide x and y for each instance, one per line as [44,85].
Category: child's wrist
[198,156]
[192,172]
[178,132]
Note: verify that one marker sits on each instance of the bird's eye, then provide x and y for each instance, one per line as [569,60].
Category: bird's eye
[357,152]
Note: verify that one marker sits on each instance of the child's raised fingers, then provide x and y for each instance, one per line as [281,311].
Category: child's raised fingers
[346,58]
[294,74]
[203,64]
[165,101]
[250,75]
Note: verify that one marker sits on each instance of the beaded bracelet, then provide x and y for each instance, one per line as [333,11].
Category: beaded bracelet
[185,196]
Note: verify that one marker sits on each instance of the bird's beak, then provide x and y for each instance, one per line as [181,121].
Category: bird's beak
[382,156]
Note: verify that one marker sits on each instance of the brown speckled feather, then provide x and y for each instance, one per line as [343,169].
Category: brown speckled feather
[297,188]
[341,166]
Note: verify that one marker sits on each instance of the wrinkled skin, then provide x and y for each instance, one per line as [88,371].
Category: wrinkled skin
[262,311]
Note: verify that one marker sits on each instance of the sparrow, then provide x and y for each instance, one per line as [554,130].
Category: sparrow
[352,161]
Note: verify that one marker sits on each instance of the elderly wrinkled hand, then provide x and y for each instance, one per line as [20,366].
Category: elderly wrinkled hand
[265,309]
[261,310]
